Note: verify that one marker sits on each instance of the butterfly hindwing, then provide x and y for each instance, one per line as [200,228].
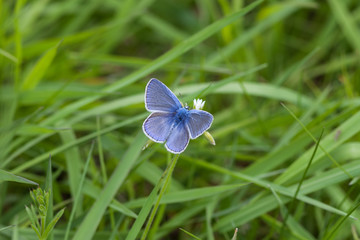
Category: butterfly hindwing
[158,126]
[198,122]
[178,139]
[158,97]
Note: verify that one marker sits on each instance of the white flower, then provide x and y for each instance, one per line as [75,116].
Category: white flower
[199,104]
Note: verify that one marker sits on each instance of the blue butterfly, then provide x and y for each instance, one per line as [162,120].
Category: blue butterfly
[169,121]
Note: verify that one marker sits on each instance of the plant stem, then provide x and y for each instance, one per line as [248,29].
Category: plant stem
[169,170]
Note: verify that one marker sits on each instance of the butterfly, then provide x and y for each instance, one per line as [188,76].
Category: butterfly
[169,121]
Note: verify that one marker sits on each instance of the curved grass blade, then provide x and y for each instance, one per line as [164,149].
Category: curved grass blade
[167,178]
[190,234]
[88,226]
[292,204]
[331,234]
[37,73]
[49,189]
[180,49]
[57,150]
[9,177]
[348,129]
[79,192]
[7,227]
[188,195]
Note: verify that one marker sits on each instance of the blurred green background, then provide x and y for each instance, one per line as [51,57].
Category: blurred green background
[274,74]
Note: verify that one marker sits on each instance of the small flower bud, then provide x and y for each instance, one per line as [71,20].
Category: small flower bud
[209,137]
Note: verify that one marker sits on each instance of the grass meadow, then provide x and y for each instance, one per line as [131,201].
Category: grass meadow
[281,79]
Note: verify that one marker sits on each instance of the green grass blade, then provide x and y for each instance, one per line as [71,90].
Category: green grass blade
[168,173]
[189,195]
[37,73]
[7,227]
[9,177]
[332,233]
[346,22]
[51,225]
[295,68]
[79,191]
[163,27]
[73,162]
[348,129]
[190,234]
[144,212]
[292,204]
[57,150]
[93,218]
[8,55]
[180,49]
[242,39]
[268,203]
[49,189]
[121,208]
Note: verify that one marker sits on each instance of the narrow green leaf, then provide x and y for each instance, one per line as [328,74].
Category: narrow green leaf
[242,39]
[198,193]
[63,147]
[36,231]
[121,208]
[332,233]
[8,55]
[292,204]
[348,129]
[346,22]
[163,27]
[33,218]
[295,68]
[38,71]
[209,214]
[295,228]
[144,212]
[180,49]
[49,189]
[9,177]
[168,173]
[188,195]
[79,191]
[51,225]
[93,218]
[73,162]
[94,191]
[268,203]
[7,227]
[190,234]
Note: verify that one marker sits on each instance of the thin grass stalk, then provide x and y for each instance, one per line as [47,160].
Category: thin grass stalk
[170,169]
[292,204]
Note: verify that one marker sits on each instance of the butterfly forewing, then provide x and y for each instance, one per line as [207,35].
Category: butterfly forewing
[178,139]
[158,97]
[198,122]
[158,126]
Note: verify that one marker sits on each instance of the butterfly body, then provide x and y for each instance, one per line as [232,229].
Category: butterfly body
[181,115]
[169,121]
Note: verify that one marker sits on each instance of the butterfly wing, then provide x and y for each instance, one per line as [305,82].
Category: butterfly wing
[158,126]
[198,122]
[178,139]
[158,97]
